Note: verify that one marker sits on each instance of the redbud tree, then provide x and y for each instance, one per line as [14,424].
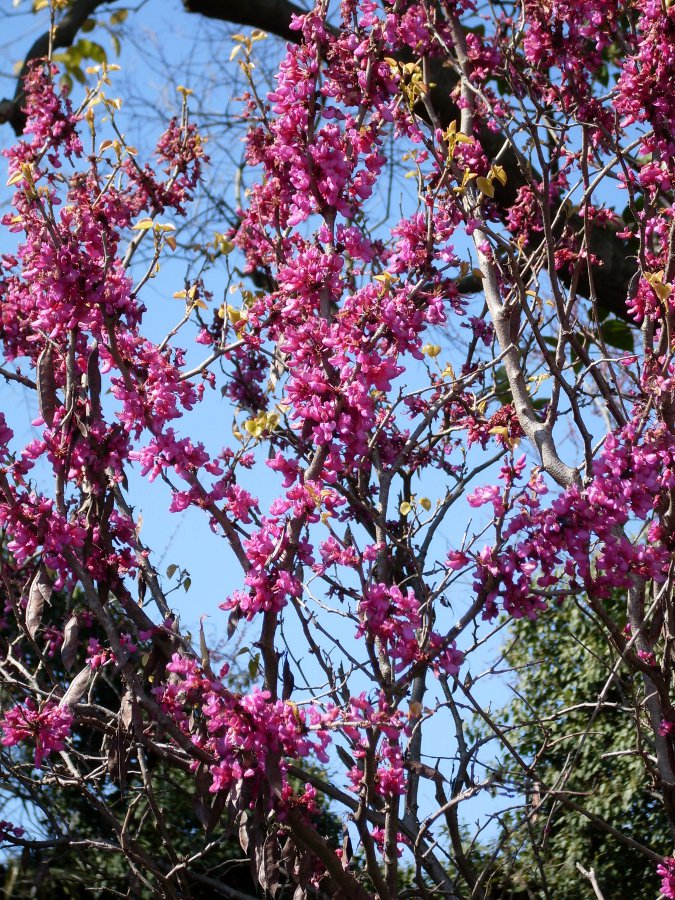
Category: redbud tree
[459,385]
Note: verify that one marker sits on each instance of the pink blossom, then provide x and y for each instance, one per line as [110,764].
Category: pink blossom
[46,726]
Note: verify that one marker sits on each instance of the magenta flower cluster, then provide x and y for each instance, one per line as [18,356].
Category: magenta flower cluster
[44,726]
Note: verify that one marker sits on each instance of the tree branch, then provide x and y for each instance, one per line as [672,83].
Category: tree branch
[12,111]
[268,15]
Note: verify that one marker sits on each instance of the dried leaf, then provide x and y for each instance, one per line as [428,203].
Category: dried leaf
[277,368]
[46,385]
[269,872]
[308,427]
[94,381]
[202,779]
[243,832]
[347,850]
[273,773]
[70,642]
[108,748]
[126,711]
[305,870]
[142,588]
[34,610]
[201,802]
[257,855]
[82,427]
[203,648]
[201,810]
[345,757]
[288,681]
[233,621]
[78,687]
[216,811]
[238,796]
[118,757]
[40,591]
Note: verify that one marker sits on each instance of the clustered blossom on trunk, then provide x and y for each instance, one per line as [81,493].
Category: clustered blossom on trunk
[359,407]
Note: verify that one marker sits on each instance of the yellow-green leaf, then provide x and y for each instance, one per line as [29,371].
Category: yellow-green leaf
[485,186]
[499,172]
[431,350]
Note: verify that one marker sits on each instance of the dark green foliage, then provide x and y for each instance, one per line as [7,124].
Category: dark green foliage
[600,755]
